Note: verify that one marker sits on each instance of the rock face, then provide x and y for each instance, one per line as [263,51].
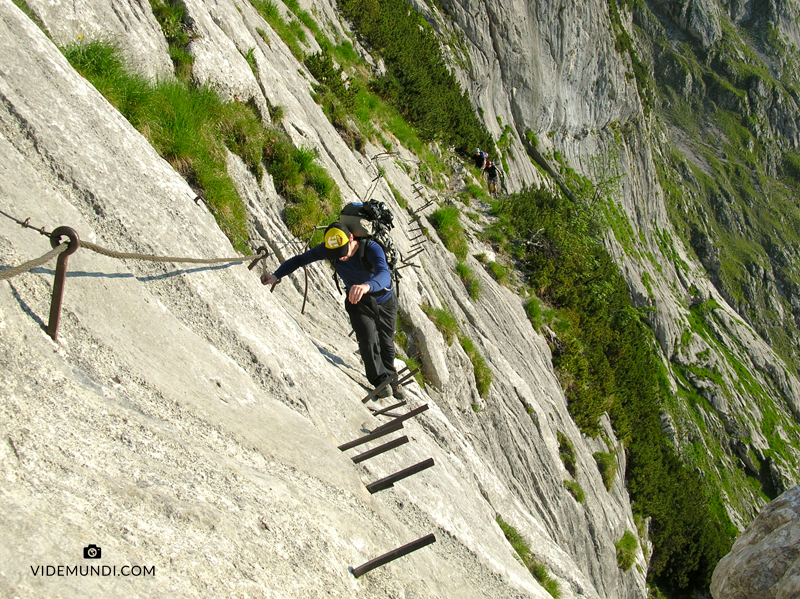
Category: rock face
[553,70]
[765,560]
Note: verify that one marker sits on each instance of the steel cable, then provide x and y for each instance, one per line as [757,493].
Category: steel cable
[22,268]
[152,258]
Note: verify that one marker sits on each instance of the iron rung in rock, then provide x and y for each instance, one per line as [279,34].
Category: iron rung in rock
[387,482]
[393,555]
[389,427]
[387,409]
[400,419]
[380,449]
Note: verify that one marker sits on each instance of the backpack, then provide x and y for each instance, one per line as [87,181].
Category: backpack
[372,221]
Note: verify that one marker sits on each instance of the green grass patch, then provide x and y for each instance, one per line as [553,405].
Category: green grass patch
[533,310]
[566,450]
[192,127]
[607,466]
[444,321]
[171,16]
[500,272]
[480,369]
[626,550]
[574,489]
[447,224]
[291,32]
[405,338]
[477,192]
[471,282]
[535,567]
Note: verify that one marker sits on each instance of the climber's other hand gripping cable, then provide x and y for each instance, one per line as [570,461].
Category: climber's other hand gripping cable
[269,279]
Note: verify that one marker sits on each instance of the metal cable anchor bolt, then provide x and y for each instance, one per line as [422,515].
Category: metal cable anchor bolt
[61,273]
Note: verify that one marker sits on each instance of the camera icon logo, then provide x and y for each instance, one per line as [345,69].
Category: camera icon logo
[91,552]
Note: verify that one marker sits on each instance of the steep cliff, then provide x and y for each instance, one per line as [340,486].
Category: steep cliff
[691,110]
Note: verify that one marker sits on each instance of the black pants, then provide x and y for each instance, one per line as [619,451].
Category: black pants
[374,325]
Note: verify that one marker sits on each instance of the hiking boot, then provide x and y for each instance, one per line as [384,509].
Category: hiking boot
[397,390]
[384,393]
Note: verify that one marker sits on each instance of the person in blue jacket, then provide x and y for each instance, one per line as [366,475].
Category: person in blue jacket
[371,302]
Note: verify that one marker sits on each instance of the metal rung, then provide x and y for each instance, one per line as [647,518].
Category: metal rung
[380,449]
[387,482]
[402,418]
[385,429]
[404,265]
[376,412]
[414,255]
[407,378]
[393,555]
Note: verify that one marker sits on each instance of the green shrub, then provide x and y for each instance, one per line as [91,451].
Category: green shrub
[626,550]
[607,361]
[446,222]
[338,100]
[536,568]
[417,82]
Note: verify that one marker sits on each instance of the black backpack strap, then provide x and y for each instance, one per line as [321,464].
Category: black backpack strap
[336,277]
[362,254]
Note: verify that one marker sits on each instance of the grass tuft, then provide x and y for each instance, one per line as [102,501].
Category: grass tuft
[446,222]
[536,568]
[626,550]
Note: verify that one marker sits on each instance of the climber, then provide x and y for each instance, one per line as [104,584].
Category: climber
[491,176]
[370,300]
[479,159]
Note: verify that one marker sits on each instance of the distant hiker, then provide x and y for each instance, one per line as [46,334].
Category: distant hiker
[479,159]
[491,176]
[371,302]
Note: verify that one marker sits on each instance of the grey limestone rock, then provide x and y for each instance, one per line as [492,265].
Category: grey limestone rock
[764,563]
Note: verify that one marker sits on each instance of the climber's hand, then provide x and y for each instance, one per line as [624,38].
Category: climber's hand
[269,279]
[357,292]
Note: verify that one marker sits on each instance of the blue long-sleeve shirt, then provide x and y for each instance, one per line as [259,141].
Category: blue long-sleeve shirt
[351,271]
